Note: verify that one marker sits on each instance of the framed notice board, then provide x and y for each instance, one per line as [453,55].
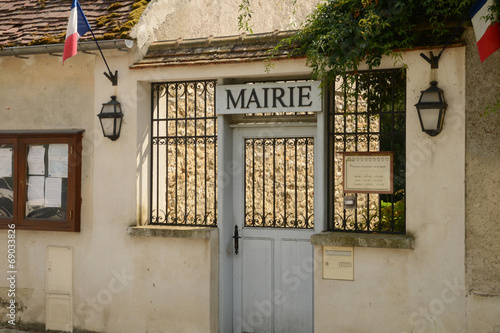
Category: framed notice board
[40,180]
[368,172]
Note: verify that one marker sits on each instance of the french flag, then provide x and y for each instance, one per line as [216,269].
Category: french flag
[77,27]
[487,33]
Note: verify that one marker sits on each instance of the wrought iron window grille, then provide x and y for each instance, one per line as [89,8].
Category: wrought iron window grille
[279,182]
[366,112]
[183,154]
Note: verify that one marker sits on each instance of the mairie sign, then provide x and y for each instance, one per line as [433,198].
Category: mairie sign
[268,97]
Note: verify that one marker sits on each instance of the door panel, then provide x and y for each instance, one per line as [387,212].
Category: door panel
[297,285]
[273,274]
[257,284]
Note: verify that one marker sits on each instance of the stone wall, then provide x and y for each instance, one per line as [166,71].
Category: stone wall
[482,181]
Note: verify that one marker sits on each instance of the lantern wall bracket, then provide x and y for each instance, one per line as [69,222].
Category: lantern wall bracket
[433,60]
[112,77]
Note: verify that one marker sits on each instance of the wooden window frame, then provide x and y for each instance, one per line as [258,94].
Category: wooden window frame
[20,141]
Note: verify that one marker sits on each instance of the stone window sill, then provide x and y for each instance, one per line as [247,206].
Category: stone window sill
[364,240]
[173,232]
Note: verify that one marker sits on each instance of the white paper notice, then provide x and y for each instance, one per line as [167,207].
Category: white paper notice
[36,160]
[6,162]
[53,188]
[365,173]
[58,160]
[36,190]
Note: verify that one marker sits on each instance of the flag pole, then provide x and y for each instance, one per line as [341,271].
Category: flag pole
[78,25]
[111,77]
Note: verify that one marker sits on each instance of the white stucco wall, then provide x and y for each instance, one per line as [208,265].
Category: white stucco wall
[38,93]
[174,286]
[394,290]
[166,280]
[168,284]
[121,283]
[420,290]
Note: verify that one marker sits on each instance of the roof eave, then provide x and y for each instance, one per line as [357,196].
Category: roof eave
[57,49]
[216,50]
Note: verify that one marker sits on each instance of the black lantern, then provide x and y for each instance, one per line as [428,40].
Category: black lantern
[431,109]
[111,117]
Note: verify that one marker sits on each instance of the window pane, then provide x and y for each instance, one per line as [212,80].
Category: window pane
[47,181]
[6,180]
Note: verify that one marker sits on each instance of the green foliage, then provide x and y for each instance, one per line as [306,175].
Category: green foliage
[246,12]
[245,16]
[387,215]
[494,13]
[392,215]
[341,34]
[492,108]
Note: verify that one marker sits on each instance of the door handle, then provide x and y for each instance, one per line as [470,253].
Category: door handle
[236,238]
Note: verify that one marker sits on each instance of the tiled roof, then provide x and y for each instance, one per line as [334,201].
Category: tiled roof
[215,50]
[38,22]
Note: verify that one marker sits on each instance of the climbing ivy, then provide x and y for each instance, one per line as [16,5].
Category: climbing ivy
[341,34]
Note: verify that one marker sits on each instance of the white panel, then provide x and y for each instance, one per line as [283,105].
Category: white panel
[296,284]
[59,270]
[257,285]
[59,313]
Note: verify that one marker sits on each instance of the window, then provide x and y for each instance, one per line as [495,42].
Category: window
[279,182]
[366,113]
[40,180]
[184,154]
